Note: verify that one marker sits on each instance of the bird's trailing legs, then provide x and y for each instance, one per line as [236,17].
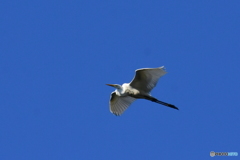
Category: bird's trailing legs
[160,102]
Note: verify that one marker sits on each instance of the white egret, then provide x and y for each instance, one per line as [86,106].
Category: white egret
[139,88]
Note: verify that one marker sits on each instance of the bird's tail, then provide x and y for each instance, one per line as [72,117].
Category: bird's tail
[160,102]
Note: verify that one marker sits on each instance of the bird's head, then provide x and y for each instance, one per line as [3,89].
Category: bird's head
[117,86]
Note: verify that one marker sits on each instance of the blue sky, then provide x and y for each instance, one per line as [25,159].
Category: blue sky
[57,56]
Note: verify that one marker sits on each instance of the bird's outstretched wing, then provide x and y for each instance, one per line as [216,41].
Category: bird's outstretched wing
[146,78]
[119,104]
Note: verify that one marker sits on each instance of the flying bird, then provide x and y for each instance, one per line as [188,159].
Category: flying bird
[139,88]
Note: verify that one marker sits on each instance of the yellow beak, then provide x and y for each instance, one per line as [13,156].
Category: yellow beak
[112,85]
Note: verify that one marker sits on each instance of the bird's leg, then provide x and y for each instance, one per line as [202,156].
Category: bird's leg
[160,102]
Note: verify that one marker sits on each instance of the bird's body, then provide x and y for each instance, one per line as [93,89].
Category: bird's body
[139,88]
[127,90]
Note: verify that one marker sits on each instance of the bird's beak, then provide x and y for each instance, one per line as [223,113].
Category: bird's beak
[112,85]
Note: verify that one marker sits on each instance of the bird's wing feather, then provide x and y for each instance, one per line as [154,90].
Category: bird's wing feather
[119,104]
[146,78]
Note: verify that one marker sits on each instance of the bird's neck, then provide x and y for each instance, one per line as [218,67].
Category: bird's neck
[119,90]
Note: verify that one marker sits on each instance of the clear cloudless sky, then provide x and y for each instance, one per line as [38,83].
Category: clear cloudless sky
[57,56]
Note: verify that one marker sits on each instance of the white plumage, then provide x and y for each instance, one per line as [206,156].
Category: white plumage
[139,88]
